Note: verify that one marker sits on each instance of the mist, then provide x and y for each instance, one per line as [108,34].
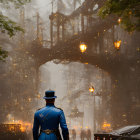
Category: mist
[38,62]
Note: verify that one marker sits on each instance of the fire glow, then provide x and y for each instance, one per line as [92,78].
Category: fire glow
[91,89]
[106,127]
[24,126]
[117,44]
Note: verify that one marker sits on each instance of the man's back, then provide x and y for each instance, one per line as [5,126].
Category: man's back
[48,119]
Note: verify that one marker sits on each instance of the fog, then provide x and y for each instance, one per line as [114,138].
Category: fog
[30,70]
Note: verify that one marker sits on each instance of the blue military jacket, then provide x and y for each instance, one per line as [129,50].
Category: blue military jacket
[49,117]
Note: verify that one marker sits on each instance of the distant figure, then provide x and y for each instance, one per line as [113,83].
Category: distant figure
[73,134]
[48,119]
[88,134]
[82,134]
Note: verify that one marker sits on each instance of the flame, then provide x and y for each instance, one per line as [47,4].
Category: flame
[117,44]
[24,126]
[83,47]
[106,126]
[91,89]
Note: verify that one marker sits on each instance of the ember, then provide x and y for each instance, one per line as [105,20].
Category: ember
[24,126]
[106,127]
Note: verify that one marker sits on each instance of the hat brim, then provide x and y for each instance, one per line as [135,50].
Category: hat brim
[49,97]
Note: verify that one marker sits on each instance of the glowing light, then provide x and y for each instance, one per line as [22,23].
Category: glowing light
[83,47]
[29,99]
[91,89]
[138,49]
[117,44]
[15,124]
[119,20]
[106,126]
[106,51]
[130,13]
[75,33]
[124,115]
[38,95]
[14,64]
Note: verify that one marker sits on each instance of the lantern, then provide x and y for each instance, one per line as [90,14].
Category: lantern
[83,47]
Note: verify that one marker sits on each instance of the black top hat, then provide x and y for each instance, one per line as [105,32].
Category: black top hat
[49,94]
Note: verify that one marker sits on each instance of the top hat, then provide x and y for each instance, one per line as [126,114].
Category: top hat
[49,94]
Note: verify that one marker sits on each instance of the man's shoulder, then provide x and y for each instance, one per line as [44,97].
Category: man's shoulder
[46,109]
[40,109]
[58,109]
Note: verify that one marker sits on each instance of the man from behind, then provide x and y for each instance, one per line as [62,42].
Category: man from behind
[47,120]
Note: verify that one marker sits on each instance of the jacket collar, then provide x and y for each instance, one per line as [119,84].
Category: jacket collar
[49,104]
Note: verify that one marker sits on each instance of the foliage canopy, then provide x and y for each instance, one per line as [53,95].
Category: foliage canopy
[8,26]
[127,10]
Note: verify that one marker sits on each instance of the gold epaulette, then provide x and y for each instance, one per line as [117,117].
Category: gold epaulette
[59,108]
[38,109]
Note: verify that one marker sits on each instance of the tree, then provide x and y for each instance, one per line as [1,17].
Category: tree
[127,11]
[3,54]
[8,26]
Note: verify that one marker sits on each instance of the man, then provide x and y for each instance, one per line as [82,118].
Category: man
[82,134]
[73,134]
[88,134]
[47,120]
